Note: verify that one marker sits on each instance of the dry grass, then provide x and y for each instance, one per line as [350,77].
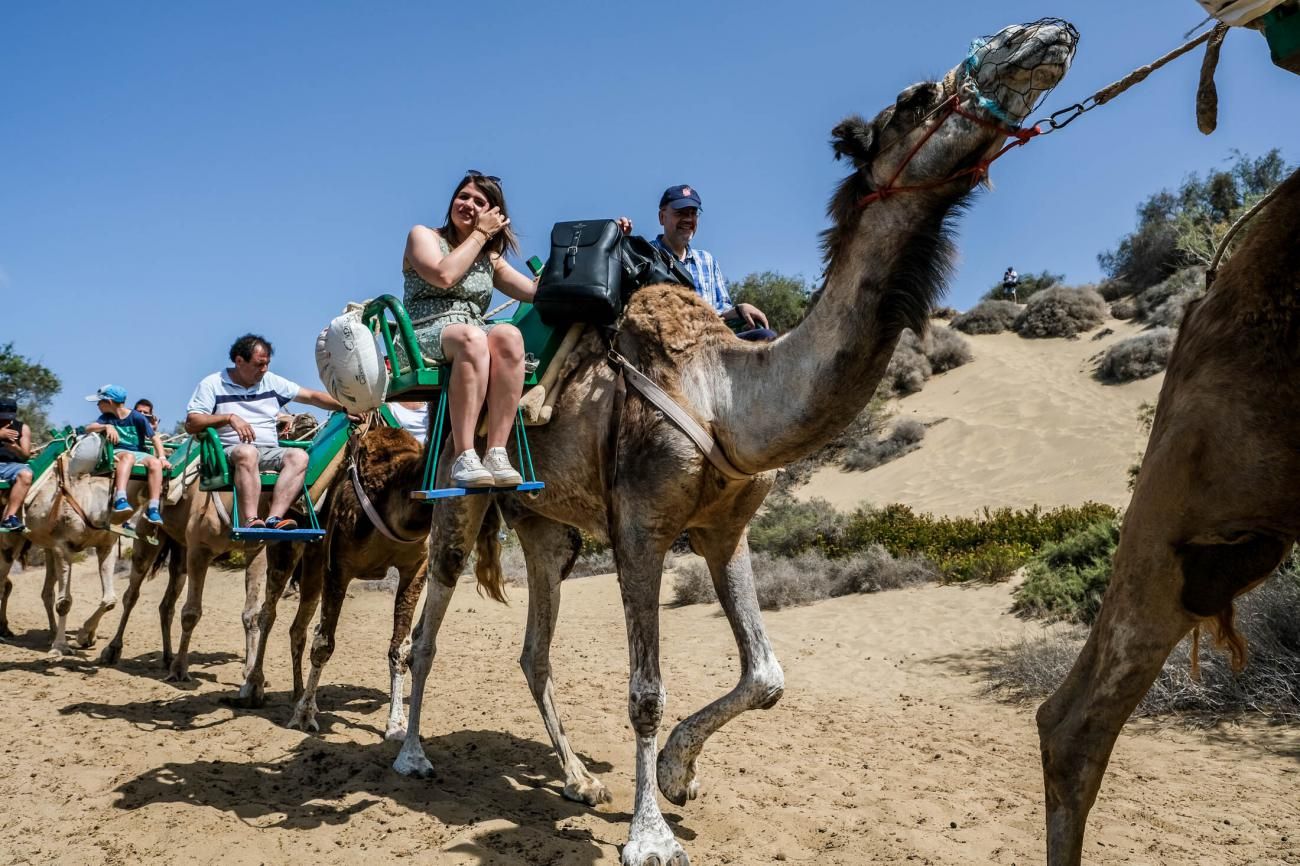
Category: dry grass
[988,317]
[789,582]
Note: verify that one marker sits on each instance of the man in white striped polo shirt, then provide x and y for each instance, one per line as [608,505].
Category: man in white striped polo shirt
[242,402]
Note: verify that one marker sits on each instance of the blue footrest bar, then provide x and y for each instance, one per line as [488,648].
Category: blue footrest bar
[449,492]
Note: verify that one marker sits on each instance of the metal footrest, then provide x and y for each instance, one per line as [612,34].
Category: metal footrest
[245,533]
[449,492]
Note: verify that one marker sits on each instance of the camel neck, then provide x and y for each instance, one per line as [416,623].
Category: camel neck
[791,397]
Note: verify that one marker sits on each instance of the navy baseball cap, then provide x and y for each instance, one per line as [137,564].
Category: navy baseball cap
[680,196]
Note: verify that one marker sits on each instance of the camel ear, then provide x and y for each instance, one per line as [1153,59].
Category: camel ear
[854,138]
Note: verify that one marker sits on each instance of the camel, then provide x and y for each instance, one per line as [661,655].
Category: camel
[1216,508]
[388,462]
[66,515]
[617,468]
[12,547]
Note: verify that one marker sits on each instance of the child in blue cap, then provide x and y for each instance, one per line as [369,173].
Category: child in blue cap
[128,430]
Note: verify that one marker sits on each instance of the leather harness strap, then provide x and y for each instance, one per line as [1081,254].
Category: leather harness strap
[703,440]
[372,513]
[65,492]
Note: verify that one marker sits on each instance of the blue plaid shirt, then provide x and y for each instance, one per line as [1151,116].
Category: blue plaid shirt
[710,284]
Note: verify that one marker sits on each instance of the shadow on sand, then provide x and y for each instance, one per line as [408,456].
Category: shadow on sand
[479,776]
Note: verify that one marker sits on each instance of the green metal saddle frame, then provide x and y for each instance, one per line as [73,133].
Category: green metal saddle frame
[411,379]
[45,458]
[215,475]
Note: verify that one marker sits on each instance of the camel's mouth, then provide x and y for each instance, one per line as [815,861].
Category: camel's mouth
[1009,73]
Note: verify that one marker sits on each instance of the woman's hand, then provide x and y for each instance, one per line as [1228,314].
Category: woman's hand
[491,221]
[624,225]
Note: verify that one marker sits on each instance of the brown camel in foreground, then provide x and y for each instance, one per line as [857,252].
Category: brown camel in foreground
[616,468]
[389,463]
[1215,510]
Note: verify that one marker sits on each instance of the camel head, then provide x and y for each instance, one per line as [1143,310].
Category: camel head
[944,129]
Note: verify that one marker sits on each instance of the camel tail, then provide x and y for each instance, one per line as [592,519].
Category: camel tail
[169,549]
[487,557]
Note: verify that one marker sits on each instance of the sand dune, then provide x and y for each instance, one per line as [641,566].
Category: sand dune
[1023,423]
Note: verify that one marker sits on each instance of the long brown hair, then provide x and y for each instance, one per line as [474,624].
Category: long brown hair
[503,241]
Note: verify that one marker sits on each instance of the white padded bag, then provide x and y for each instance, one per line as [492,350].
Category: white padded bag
[84,454]
[1239,13]
[350,362]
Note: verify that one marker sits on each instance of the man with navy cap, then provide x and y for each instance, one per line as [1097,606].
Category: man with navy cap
[679,214]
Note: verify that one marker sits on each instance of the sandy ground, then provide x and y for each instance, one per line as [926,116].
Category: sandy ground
[1024,423]
[883,750]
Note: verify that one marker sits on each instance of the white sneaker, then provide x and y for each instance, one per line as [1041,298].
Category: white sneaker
[467,471]
[503,474]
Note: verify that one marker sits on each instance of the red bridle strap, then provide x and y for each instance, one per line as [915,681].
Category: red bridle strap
[976,172]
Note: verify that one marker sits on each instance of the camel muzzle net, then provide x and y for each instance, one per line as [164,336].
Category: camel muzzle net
[1011,71]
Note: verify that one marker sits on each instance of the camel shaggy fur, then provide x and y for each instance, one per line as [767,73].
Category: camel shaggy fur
[616,468]
[1215,510]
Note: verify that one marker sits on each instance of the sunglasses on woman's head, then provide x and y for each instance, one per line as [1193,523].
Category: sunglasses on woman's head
[474,172]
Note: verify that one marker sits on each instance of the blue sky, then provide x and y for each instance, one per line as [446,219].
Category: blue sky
[177,174]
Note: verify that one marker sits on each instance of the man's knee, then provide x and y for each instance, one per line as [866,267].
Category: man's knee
[243,455]
[295,458]
[25,476]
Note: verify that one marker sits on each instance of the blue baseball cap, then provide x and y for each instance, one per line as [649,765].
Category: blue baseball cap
[114,393]
[680,196]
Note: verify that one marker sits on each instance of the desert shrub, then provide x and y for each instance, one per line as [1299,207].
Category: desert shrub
[915,360]
[1165,302]
[786,582]
[232,560]
[1137,357]
[945,349]
[990,547]
[903,439]
[1146,420]
[868,424]
[988,317]
[1067,579]
[1061,312]
[788,527]
[908,368]
[945,313]
[1268,618]
[1029,285]
[784,300]
[1124,309]
[598,562]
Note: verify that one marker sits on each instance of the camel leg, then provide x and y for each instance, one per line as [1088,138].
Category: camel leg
[310,586]
[761,680]
[47,589]
[640,571]
[254,593]
[143,556]
[107,556]
[455,524]
[1077,726]
[333,593]
[197,559]
[7,557]
[62,604]
[279,560]
[167,605]
[550,550]
[410,584]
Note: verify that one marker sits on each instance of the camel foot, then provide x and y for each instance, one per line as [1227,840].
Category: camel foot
[396,731]
[179,672]
[677,781]
[655,847]
[413,763]
[168,659]
[304,718]
[5,633]
[58,651]
[111,654]
[84,639]
[249,698]
[590,791]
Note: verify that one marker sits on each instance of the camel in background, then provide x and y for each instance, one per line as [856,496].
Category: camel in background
[617,468]
[386,463]
[1216,508]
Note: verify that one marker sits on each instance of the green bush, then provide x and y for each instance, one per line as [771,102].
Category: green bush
[784,300]
[788,527]
[1029,285]
[1067,579]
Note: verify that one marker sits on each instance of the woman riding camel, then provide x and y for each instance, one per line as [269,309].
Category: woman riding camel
[449,276]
